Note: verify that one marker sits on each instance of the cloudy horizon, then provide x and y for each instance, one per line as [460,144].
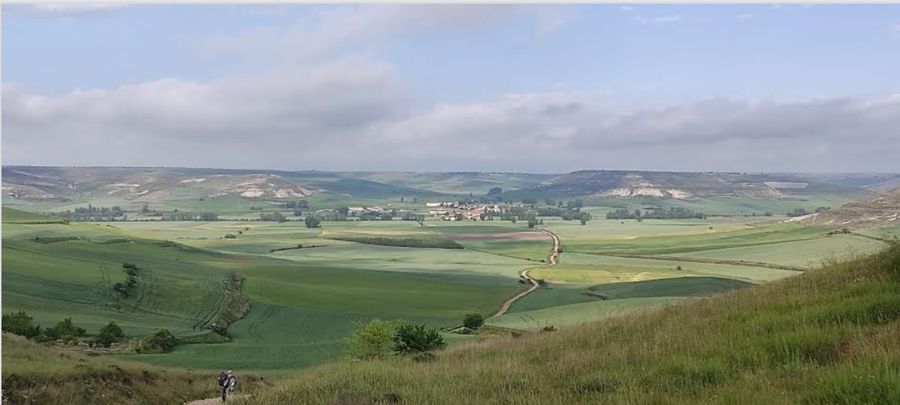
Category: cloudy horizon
[540,89]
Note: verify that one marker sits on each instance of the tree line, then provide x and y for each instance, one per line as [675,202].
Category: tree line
[655,213]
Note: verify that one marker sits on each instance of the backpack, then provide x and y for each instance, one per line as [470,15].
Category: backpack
[223,379]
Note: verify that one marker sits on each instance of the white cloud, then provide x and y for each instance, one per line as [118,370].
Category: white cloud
[667,19]
[745,16]
[330,118]
[335,30]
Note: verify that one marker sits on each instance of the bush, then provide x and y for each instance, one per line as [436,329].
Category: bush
[372,340]
[312,221]
[64,330]
[109,334]
[121,289]
[410,338]
[473,321]
[161,341]
[20,324]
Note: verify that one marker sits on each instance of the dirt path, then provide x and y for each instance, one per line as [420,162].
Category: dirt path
[216,401]
[551,260]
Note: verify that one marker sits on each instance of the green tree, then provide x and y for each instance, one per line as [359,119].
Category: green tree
[585,217]
[312,221]
[473,321]
[372,340]
[161,341]
[532,221]
[410,338]
[20,323]
[65,330]
[109,334]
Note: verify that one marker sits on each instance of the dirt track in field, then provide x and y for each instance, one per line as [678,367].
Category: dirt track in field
[552,259]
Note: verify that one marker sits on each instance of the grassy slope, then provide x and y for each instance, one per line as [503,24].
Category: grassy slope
[827,336]
[37,374]
[301,309]
[70,271]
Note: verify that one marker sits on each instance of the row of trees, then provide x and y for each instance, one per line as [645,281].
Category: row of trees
[92,213]
[274,216]
[655,213]
[20,323]
[799,212]
[126,289]
[176,215]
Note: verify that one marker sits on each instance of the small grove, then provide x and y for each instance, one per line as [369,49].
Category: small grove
[66,332]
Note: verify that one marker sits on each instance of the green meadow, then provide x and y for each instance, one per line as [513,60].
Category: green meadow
[309,288]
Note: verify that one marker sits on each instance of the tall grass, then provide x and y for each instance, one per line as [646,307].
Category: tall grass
[38,374]
[828,336]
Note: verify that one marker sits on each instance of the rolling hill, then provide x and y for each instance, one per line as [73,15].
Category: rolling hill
[49,187]
[881,209]
[828,336]
[686,185]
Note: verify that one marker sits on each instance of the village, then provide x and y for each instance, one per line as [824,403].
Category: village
[443,210]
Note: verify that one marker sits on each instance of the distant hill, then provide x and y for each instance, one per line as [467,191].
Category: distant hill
[59,186]
[33,183]
[686,185]
[881,209]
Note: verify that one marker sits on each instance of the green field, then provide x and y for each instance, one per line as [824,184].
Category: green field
[828,336]
[308,288]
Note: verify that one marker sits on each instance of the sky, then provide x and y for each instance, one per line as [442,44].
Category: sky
[513,88]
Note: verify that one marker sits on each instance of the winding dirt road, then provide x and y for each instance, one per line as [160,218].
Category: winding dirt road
[551,261]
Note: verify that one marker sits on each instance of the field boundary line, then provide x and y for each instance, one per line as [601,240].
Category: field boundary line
[700,260]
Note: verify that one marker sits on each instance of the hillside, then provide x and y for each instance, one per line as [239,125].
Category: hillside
[38,374]
[123,184]
[881,209]
[687,185]
[827,336]
[188,188]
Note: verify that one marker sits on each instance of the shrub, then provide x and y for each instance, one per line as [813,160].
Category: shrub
[161,341]
[372,340]
[109,334]
[20,324]
[410,338]
[65,330]
[121,289]
[230,235]
[312,221]
[473,321]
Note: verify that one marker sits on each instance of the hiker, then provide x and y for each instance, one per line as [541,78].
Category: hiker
[227,381]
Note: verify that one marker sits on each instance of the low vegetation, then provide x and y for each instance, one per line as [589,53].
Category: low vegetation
[827,336]
[39,374]
[419,241]
[655,213]
[161,341]
[378,339]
